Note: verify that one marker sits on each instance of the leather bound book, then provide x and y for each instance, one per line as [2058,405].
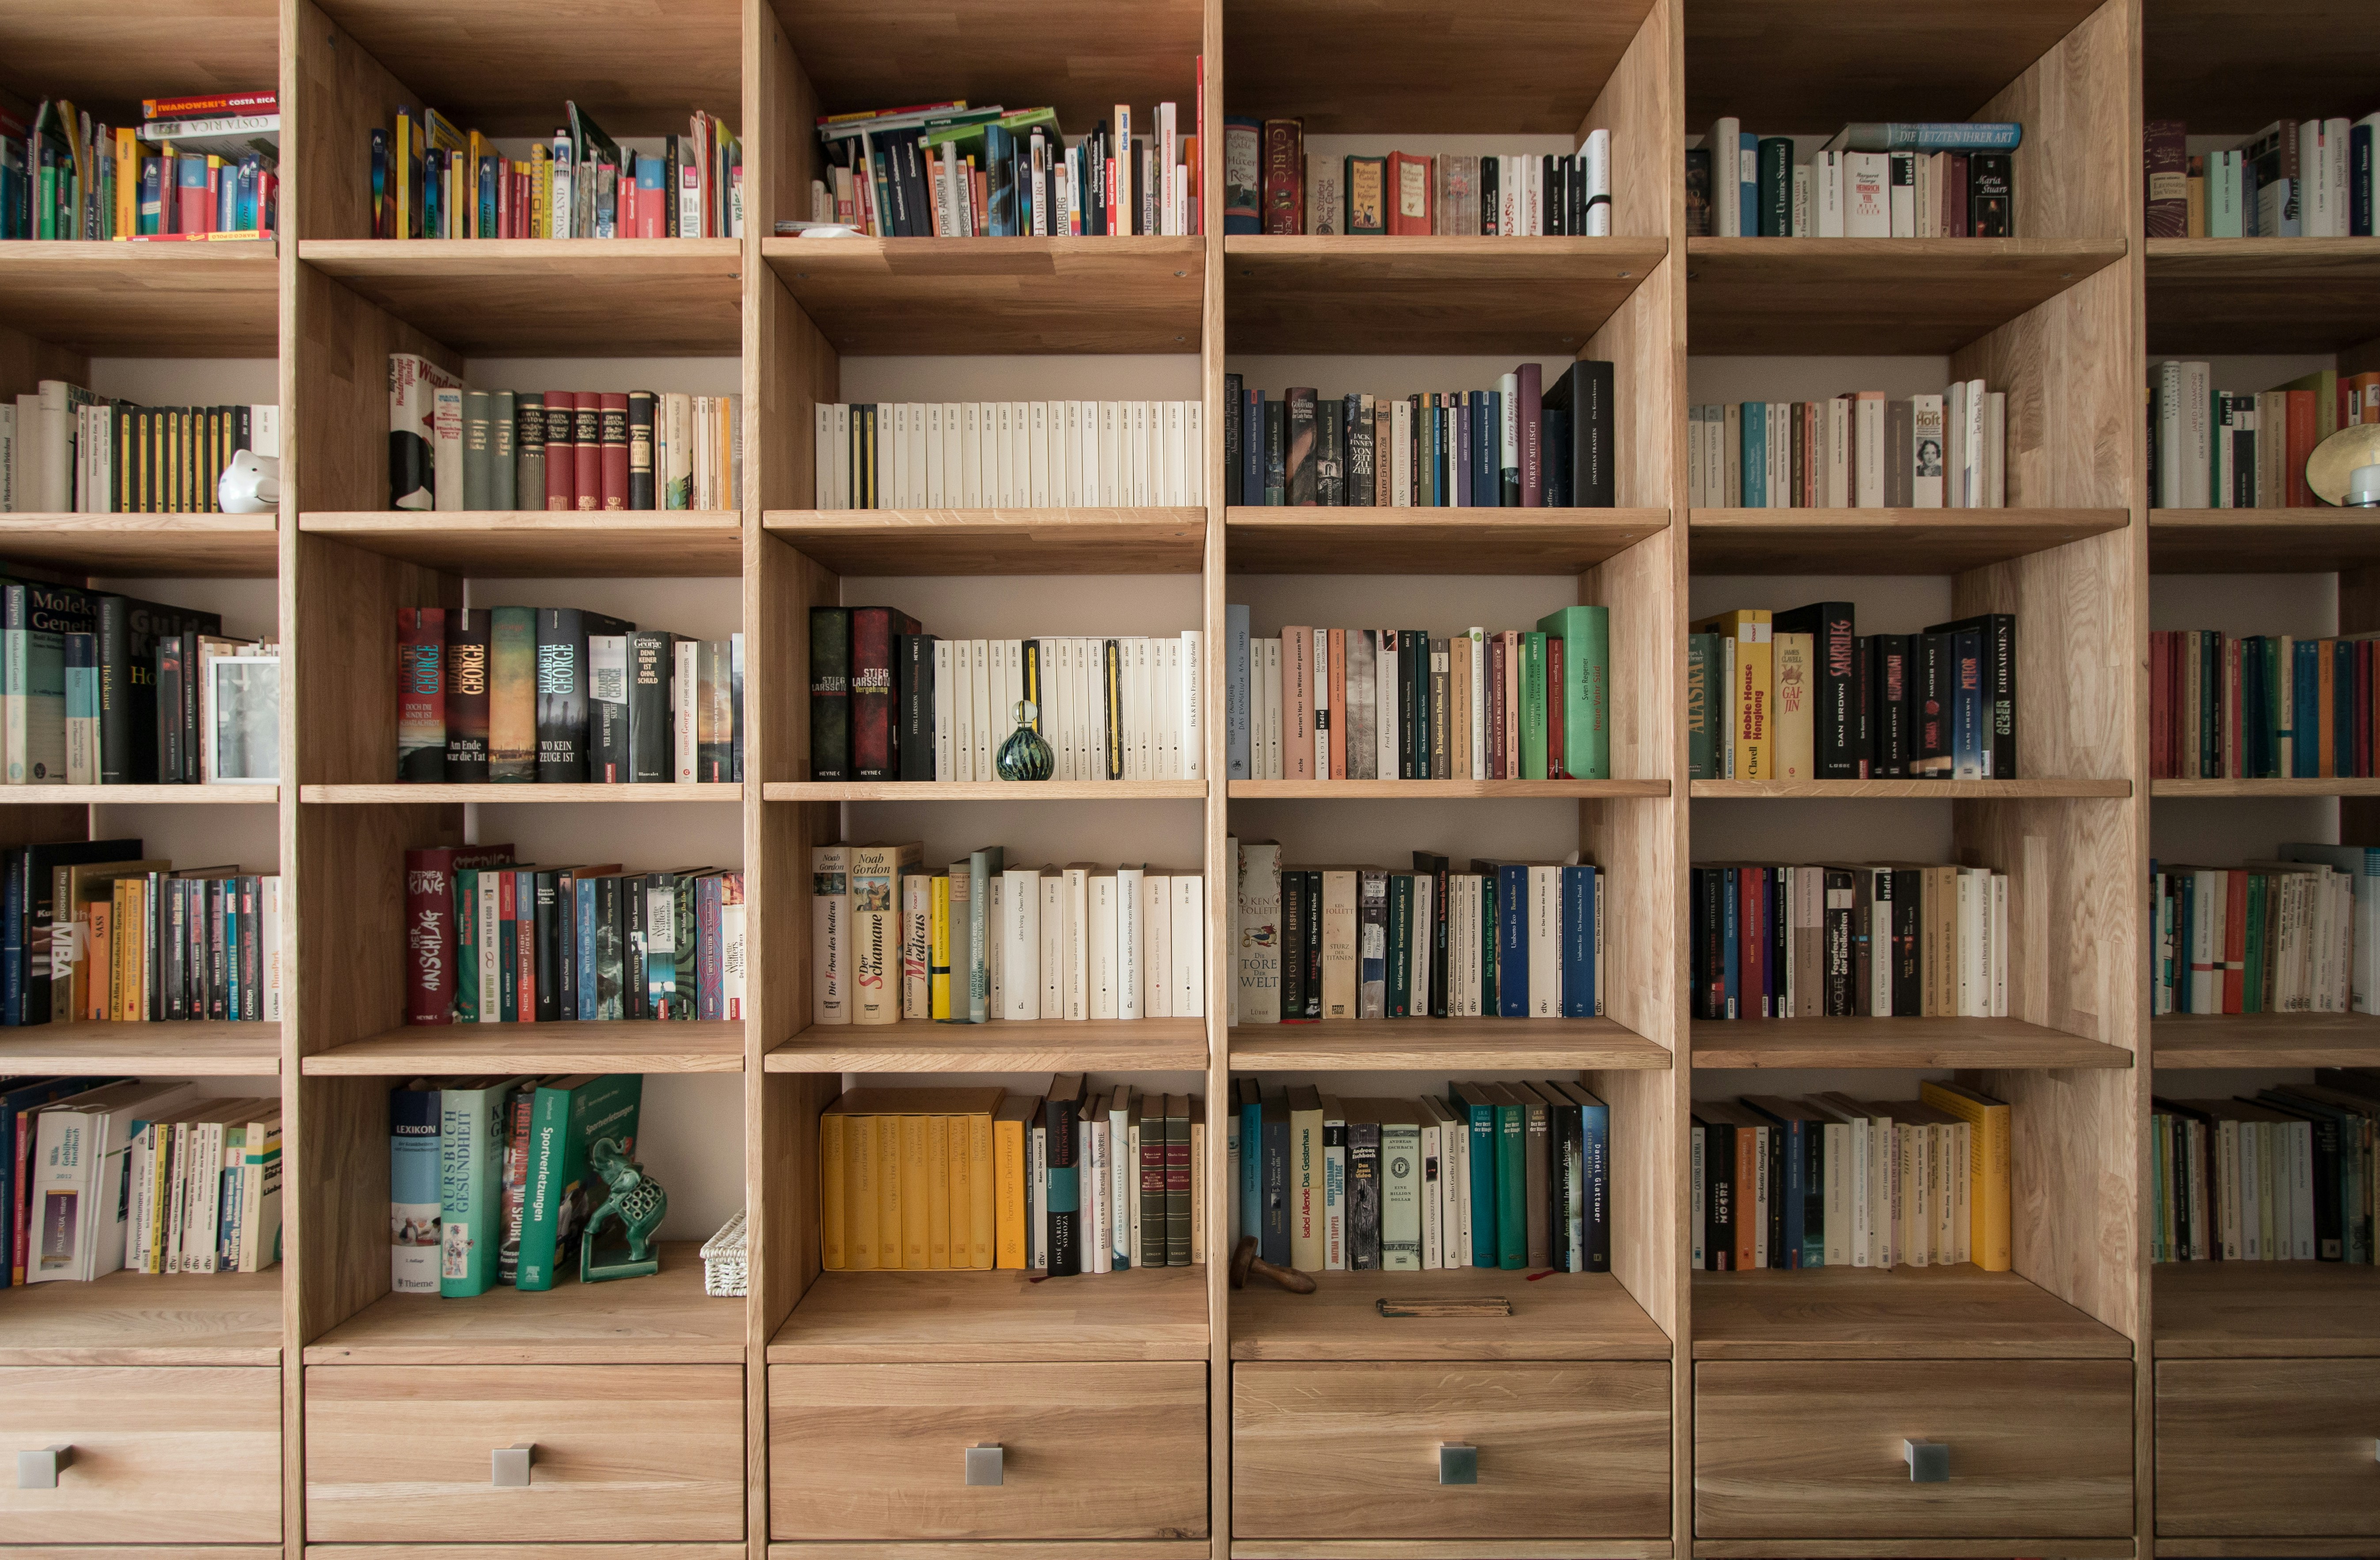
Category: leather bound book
[1410,194]
[2164,153]
[561,449]
[587,451]
[1284,176]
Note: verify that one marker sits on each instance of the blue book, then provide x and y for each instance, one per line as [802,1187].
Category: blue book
[1236,692]
[1272,1230]
[1251,1162]
[1729,932]
[1944,135]
[2342,704]
[649,176]
[1578,942]
[1481,1114]
[1000,197]
[2305,690]
[152,195]
[582,890]
[1755,454]
[1494,454]
[1511,941]
[1804,1223]
[1594,1214]
[1747,186]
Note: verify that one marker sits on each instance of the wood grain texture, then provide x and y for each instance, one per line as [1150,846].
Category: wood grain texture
[153,300]
[1882,541]
[944,541]
[25,361]
[2302,57]
[1895,1042]
[563,794]
[623,1453]
[2240,1311]
[1875,297]
[1377,1429]
[80,797]
[1565,1316]
[1093,1451]
[1898,1549]
[1436,1045]
[139,1319]
[2261,541]
[527,1551]
[2340,786]
[905,297]
[1436,790]
[2074,1184]
[1920,790]
[539,543]
[1003,1316]
[1905,1313]
[994,1548]
[914,1045]
[2075,604]
[161,1455]
[1450,1549]
[1441,293]
[197,1050]
[549,298]
[983,790]
[2255,1447]
[615,1045]
[2267,1040]
[186,546]
[2263,1548]
[2262,295]
[2038,1447]
[334,432]
[1317,540]
[112,58]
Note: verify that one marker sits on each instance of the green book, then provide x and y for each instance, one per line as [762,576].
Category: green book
[685,943]
[1486,935]
[1401,915]
[471,1184]
[1533,706]
[1702,657]
[1511,1179]
[467,945]
[2252,978]
[568,1118]
[1585,633]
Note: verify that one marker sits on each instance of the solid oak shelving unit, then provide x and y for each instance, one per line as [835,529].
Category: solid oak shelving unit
[2094,1407]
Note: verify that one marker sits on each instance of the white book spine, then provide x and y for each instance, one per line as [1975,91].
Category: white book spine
[1129,889]
[1155,946]
[1099,943]
[1544,911]
[1078,958]
[1054,940]
[830,934]
[1189,950]
[1191,679]
[1021,984]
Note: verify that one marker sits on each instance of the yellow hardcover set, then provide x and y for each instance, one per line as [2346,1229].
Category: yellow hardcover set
[1990,1151]
[908,1178]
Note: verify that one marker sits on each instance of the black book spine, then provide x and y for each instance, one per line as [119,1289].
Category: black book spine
[566,971]
[1991,195]
[190,707]
[1364,1196]
[546,931]
[1592,482]
[1557,210]
[1932,654]
[1293,946]
[169,710]
[633,1003]
[529,448]
[1362,476]
[1064,1116]
[608,945]
[1415,650]
[1888,688]
[1276,457]
[1908,966]
[467,694]
[1999,673]
[651,661]
[175,935]
[1830,628]
[1274,1133]
[1313,950]
[640,446]
[252,949]
[1838,946]
[1406,729]
[830,693]
[1863,706]
[913,657]
[1780,918]
[561,695]
[1235,480]
[1330,469]
[1438,931]
[1778,1257]
[1719,1196]
[1561,457]
[1490,169]
[119,756]
[1301,453]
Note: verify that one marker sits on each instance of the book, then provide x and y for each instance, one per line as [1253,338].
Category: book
[570,1115]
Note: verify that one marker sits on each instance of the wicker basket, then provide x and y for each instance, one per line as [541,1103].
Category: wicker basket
[723,1272]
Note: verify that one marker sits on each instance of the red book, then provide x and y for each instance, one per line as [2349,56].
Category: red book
[217,106]
[431,938]
[1554,707]
[1495,706]
[1284,176]
[1751,941]
[2158,713]
[1409,195]
[614,430]
[1532,429]
[875,750]
[524,892]
[2300,447]
[561,439]
[587,451]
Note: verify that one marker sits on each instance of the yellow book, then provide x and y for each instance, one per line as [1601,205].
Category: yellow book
[478,150]
[540,191]
[983,1223]
[938,1191]
[861,1208]
[403,148]
[127,182]
[960,1179]
[1795,715]
[831,1255]
[938,955]
[1748,700]
[890,1204]
[1989,1136]
[1008,1128]
[917,1208]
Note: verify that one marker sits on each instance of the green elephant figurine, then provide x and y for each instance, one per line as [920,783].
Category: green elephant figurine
[638,1204]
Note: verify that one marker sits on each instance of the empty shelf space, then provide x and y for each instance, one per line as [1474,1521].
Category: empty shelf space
[538,297]
[932,1318]
[1898,1313]
[1895,1042]
[2262,541]
[1925,790]
[101,297]
[1881,541]
[414,793]
[145,1318]
[2266,1040]
[601,1046]
[954,542]
[195,1049]
[984,790]
[1306,538]
[1041,1045]
[1443,1045]
[1872,296]
[2262,295]
[542,544]
[904,297]
[2233,1311]
[180,546]
[1558,1316]
[1437,790]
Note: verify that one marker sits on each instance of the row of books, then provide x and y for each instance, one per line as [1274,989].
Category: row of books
[1849,941]
[1271,184]
[972,454]
[982,941]
[65,448]
[1522,445]
[1331,945]
[517,695]
[491,1179]
[492,941]
[1866,181]
[139,942]
[2287,1175]
[453,448]
[103,1174]
[1403,704]
[432,179]
[2259,706]
[2310,178]
[1832,1181]
[2235,449]
[1801,695]
[1857,450]
[197,167]
[1488,1174]
[2293,934]
[1074,1180]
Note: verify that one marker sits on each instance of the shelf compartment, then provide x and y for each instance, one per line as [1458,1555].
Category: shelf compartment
[1958,1312]
[1558,1316]
[1873,297]
[1437,790]
[415,792]
[1926,790]
[1881,541]
[910,542]
[539,543]
[105,298]
[1263,539]
[2244,1311]
[2338,785]
[1895,1042]
[663,1320]
[159,1050]
[551,297]
[140,795]
[2305,59]
[615,1045]
[1001,1315]
[2317,541]
[180,546]
[984,790]
[2261,295]
[2266,1040]
[1341,293]
[915,1046]
[191,46]
[1443,1044]
[143,1319]
[908,297]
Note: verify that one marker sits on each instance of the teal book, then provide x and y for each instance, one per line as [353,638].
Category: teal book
[568,1116]
[1470,1103]
[1400,933]
[470,1185]
[1511,1179]
[1702,663]
[1754,448]
[1533,706]
[1585,693]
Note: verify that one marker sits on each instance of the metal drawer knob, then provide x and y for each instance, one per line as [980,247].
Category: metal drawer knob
[508,1465]
[1458,1463]
[39,1470]
[1929,1461]
[984,1463]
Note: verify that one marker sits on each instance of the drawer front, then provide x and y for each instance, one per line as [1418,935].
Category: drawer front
[2038,1448]
[619,1453]
[1351,1451]
[1106,1451]
[158,1455]
[2267,1448]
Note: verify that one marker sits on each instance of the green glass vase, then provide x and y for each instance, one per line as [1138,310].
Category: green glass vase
[1024,755]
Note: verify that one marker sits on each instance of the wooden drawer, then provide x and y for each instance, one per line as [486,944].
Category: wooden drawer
[623,1453]
[179,1454]
[2267,1448]
[1092,1451]
[1564,1450]
[2039,1449]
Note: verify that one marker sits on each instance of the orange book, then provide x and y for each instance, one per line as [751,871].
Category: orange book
[1411,191]
[2301,439]
[1338,703]
[1297,703]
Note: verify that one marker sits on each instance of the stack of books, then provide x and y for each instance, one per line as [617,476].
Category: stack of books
[196,167]
[1271,184]
[2287,1175]
[1010,455]
[63,448]
[1856,451]
[2294,934]
[2259,706]
[430,179]
[2234,449]
[2312,178]
[1845,940]
[1868,180]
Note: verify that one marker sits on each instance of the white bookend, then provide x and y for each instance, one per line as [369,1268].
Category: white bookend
[830,934]
[1189,950]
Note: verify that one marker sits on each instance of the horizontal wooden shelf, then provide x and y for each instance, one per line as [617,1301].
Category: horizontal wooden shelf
[104,299]
[177,547]
[140,796]
[401,793]
[662,1320]
[906,297]
[1895,1042]
[915,1045]
[1872,296]
[2301,59]
[2261,295]
[1958,1312]
[935,1318]
[1307,539]
[2264,1040]
[2243,1311]
[541,543]
[944,541]
[1881,541]
[2317,541]
[1437,790]
[1438,1045]
[1928,790]
[551,297]
[1559,1316]
[1338,293]
[196,1049]
[612,1045]
[1929,1549]
[984,790]
[2337,786]
[1422,1549]
[145,1318]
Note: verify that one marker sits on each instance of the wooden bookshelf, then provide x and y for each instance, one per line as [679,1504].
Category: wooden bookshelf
[1555,1316]
[549,298]
[2249,1310]
[917,1046]
[185,546]
[700,1046]
[2262,295]
[2266,1040]
[499,542]
[128,1319]
[1432,791]
[1261,540]
[1895,1042]
[2260,540]
[208,1049]
[1920,790]
[1882,541]
[985,790]
[1881,296]
[1958,1312]
[151,300]
[417,793]
[926,1318]
[940,541]
[1434,1045]
[2338,785]
[143,796]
